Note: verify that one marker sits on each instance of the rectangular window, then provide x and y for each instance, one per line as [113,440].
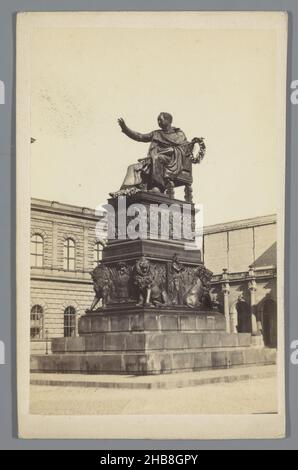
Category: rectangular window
[69,255]
[37,250]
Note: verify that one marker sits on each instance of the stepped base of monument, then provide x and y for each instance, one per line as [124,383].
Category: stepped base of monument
[128,318]
[154,381]
[151,341]
[157,362]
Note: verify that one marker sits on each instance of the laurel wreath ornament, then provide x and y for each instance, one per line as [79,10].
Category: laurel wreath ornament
[202,149]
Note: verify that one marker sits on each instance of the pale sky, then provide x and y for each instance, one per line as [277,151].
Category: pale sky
[218,84]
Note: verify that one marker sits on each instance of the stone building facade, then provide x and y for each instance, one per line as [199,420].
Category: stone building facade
[241,254]
[63,252]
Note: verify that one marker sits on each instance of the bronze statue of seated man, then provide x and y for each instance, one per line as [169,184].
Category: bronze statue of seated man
[164,161]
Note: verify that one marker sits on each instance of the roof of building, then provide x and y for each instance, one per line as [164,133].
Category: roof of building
[240,224]
[65,209]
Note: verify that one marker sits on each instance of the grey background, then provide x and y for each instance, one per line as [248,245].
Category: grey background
[8,416]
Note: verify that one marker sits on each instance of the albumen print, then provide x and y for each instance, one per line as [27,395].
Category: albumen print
[150,224]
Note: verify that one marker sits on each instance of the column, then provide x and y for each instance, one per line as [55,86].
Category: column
[226,291]
[252,286]
[234,318]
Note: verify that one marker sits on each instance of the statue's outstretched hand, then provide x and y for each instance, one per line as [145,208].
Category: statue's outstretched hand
[121,123]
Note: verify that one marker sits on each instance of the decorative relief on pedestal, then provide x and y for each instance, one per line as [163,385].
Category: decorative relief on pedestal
[102,285]
[121,275]
[152,283]
[150,280]
[189,285]
[197,294]
[176,285]
[111,283]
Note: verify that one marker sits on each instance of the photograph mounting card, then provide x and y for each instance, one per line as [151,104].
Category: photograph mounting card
[150,224]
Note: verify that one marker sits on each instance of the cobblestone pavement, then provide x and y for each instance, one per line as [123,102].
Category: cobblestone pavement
[246,397]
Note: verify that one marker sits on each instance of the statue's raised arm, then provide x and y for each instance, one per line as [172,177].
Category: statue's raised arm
[133,134]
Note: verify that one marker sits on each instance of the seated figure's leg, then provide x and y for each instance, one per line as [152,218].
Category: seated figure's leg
[157,171]
[188,193]
[170,189]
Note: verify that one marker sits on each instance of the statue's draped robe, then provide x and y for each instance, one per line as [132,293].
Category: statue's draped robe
[164,159]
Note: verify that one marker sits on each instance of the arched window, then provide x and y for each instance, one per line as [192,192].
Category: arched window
[69,255]
[37,250]
[69,322]
[36,322]
[97,254]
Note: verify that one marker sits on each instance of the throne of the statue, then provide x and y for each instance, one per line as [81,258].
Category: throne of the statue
[181,177]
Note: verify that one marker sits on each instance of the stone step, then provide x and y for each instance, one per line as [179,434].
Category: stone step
[153,362]
[165,381]
[148,341]
[131,318]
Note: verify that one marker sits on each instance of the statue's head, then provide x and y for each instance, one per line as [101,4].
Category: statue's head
[143,263]
[123,268]
[164,120]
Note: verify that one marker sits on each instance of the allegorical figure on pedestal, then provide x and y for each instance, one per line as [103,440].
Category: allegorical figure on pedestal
[122,283]
[165,160]
[177,270]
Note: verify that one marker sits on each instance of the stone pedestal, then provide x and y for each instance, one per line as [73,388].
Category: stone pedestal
[145,341]
[156,314]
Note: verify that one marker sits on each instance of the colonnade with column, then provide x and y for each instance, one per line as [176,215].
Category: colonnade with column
[231,314]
